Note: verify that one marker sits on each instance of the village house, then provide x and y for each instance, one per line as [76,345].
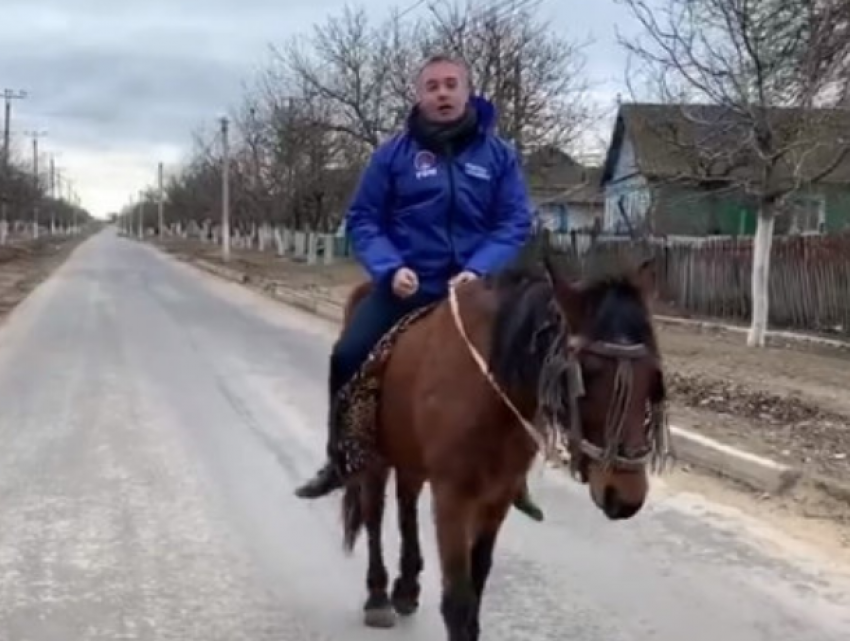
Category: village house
[565,193]
[678,170]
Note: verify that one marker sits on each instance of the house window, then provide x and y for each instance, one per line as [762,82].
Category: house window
[803,214]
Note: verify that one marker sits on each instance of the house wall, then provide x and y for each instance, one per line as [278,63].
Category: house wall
[679,210]
[837,208]
[692,212]
[683,211]
[627,189]
[565,217]
[549,216]
[583,216]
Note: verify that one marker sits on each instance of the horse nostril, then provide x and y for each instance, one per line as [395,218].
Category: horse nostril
[610,502]
[614,508]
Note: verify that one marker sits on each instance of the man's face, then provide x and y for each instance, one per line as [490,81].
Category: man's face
[442,91]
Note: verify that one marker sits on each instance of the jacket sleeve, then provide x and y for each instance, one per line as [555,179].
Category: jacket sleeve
[512,226]
[365,221]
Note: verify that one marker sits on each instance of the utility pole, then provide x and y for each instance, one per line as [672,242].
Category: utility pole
[36,180]
[141,215]
[69,199]
[225,191]
[52,189]
[8,96]
[61,190]
[161,204]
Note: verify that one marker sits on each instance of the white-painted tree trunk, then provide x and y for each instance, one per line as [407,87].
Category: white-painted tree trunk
[278,241]
[761,276]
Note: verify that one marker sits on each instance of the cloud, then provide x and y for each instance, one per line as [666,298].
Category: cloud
[120,86]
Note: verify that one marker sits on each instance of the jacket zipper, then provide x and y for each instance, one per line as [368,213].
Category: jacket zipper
[450,164]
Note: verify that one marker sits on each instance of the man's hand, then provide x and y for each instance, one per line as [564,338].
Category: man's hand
[463,277]
[405,282]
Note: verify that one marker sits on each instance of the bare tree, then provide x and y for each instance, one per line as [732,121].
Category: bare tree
[536,77]
[761,84]
[21,192]
[305,128]
[287,168]
[348,62]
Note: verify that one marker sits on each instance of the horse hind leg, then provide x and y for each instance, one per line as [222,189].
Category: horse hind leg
[406,587]
[377,611]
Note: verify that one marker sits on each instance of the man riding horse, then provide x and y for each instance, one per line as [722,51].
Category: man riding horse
[439,204]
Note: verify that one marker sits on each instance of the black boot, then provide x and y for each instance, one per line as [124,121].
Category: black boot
[328,478]
[525,504]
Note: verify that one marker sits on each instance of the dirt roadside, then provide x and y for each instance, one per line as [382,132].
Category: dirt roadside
[25,264]
[791,404]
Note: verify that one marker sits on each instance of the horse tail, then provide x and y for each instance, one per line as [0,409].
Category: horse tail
[352,514]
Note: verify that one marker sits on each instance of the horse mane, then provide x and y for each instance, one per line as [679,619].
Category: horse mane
[524,326]
[527,323]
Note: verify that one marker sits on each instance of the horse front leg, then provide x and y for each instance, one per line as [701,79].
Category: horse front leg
[453,517]
[406,587]
[482,554]
[377,611]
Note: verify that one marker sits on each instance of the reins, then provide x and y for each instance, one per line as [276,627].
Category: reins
[527,425]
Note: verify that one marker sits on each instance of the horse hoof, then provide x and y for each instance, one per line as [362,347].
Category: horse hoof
[405,607]
[383,618]
[405,597]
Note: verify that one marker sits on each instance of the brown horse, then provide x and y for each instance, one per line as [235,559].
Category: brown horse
[468,395]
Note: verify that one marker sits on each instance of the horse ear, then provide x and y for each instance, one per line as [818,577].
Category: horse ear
[646,278]
[567,294]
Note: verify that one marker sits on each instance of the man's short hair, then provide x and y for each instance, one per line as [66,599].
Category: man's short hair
[444,57]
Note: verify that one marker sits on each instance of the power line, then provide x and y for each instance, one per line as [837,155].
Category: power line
[412,8]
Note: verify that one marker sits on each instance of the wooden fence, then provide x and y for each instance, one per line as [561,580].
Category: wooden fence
[809,285]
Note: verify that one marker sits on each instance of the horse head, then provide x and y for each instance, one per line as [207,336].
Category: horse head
[615,385]
[586,351]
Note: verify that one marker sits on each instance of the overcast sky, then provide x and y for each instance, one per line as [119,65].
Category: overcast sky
[119,86]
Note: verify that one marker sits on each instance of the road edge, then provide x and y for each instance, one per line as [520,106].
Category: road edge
[778,337]
[756,472]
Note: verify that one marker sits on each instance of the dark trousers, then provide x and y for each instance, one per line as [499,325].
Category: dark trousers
[373,317]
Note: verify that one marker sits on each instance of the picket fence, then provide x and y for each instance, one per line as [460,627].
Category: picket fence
[809,283]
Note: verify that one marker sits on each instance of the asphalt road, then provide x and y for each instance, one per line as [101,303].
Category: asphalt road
[154,422]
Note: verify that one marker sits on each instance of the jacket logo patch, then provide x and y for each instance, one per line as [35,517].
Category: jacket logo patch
[425,164]
[476,171]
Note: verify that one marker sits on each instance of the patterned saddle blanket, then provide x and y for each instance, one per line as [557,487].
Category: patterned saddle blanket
[358,401]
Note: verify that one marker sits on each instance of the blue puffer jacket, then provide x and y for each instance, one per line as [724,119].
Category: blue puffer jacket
[439,216]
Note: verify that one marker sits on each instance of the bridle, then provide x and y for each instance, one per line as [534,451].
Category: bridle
[570,424]
[625,356]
